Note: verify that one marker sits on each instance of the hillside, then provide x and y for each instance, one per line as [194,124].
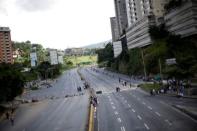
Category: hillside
[97,45]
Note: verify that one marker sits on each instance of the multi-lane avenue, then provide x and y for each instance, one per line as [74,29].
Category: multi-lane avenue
[133,109]
[54,111]
[63,108]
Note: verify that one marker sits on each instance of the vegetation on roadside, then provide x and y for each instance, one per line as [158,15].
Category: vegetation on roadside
[148,87]
[165,46]
[73,61]
[24,50]
[12,81]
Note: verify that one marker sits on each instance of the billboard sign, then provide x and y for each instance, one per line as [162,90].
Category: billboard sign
[33,58]
[171,61]
[117,47]
[53,57]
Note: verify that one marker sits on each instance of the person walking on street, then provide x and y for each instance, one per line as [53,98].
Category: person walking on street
[7,115]
[125,83]
[95,100]
[12,120]
[12,110]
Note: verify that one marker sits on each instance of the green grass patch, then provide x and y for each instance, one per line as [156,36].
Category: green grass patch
[81,60]
[148,87]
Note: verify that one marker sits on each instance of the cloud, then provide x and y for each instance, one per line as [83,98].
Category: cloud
[3,10]
[35,5]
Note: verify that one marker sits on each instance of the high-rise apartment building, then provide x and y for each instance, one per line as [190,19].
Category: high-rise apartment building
[134,17]
[182,20]
[121,15]
[138,9]
[141,14]
[114,29]
[5,46]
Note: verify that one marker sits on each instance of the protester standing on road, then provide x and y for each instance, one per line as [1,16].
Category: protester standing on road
[7,115]
[12,119]
[95,100]
[125,83]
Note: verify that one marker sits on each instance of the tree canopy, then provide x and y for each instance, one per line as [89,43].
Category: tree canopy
[106,54]
[11,82]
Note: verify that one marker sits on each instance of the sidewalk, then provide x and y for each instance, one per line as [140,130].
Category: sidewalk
[174,94]
[191,111]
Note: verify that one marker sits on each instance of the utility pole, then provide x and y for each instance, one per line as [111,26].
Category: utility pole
[143,63]
[160,70]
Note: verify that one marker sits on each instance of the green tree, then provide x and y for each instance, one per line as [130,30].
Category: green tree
[135,62]
[26,48]
[11,82]
[106,54]
[46,70]
[43,69]
[184,50]
[157,51]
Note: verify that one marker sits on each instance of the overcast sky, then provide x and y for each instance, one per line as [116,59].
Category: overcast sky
[58,23]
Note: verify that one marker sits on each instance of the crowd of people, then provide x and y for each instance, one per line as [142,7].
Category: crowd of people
[93,101]
[174,85]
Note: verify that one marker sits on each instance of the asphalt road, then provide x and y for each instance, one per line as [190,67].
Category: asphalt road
[131,109]
[58,114]
[135,110]
[66,84]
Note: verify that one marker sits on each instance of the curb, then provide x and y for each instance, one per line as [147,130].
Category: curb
[175,95]
[91,119]
[192,115]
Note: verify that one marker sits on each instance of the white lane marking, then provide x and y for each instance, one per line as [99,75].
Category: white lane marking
[56,128]
[122,128]
[116,113]
[112,103]
[138,99]
[143,103]
[129,105]
[125,101]
[139,117]
[158,113]
[98,121]
[146,126]
[119,120]
[113,107]
[110,100]
[169,123]
[133,110]
[150,108]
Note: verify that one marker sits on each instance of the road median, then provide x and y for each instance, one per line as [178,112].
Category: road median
[91,118]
